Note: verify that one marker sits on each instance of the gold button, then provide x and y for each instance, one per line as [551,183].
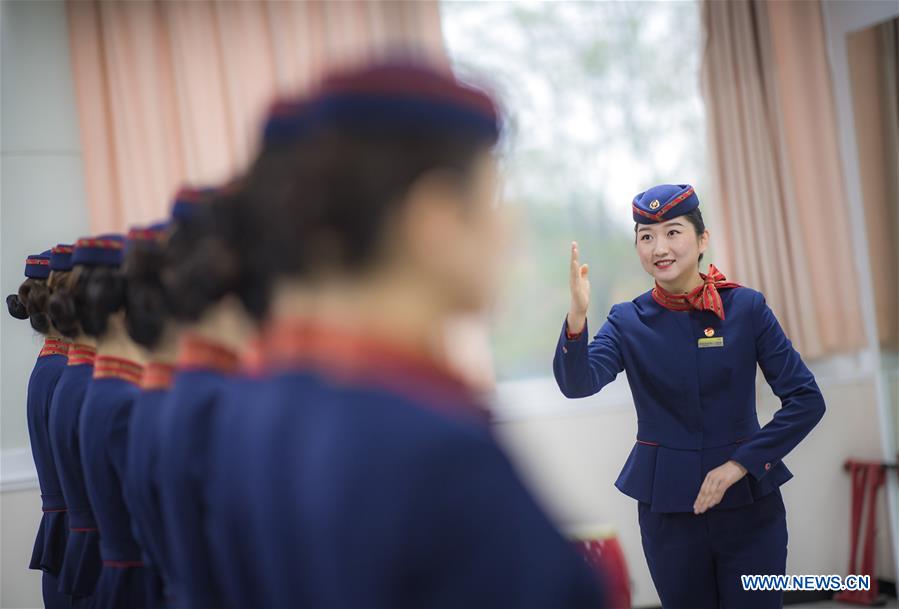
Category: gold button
[655,204]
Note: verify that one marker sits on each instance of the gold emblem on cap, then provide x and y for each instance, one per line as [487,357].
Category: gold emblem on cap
[655,204]
[710,332]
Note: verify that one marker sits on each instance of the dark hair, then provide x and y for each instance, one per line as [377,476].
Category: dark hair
[694,217]
[208,256]
[146,301]
[30,302]
[84,302]
[61,305]
[323,202]
[103,293]
[15,307]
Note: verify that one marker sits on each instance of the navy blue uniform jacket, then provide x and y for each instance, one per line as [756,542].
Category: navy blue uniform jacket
[50,545]
[108,404]
[696,407]
[81,565]
[141,486]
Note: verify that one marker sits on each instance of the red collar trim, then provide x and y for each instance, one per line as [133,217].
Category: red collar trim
[80,354]
[107,366]
[358,358]
[196,352]
[157,375]
[54,346]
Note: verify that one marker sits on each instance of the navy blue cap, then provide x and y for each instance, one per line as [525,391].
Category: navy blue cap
[150,232]
[188,200]
[37,266]
[286,120]
[105,250]
[664,202]
[61,257]
[401,95]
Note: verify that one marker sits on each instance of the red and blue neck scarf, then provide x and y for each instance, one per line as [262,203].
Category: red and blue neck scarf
[702,298]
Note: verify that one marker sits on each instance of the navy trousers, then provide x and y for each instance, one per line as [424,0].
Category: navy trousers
[696,560]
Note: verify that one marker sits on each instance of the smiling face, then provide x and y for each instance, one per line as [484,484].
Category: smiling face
[670,251]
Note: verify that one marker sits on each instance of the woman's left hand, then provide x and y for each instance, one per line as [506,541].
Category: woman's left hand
[715,484]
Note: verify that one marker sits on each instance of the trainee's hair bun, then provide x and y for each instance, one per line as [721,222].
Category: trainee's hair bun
[147,304]
[15,307]
[38,295]
[102,291]
[61,307]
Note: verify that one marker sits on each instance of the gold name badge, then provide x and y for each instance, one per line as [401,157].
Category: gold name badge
[717,341]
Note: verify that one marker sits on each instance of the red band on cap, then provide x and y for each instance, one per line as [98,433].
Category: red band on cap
[109,244]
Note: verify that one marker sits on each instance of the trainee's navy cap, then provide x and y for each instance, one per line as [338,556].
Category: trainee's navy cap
[61,257]
[286,120]
[37,266]
[664,202]
[404,96]
[188,201]
[105,250]
[150,232]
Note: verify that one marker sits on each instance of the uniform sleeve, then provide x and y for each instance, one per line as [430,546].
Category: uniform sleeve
[482,540]
[582,369]
[802,404]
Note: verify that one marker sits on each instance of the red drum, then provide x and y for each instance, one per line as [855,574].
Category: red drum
[600,548]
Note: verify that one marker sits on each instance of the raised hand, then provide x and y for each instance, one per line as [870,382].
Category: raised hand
[579,285]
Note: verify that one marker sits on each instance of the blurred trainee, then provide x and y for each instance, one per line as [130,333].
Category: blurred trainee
[30,302]
[365,474]
[80,567]
[150,325]
[215,317]
[103,428]
[703,472]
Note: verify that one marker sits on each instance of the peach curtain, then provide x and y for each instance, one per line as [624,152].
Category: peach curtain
[874,73]
[172,92]
[776,167]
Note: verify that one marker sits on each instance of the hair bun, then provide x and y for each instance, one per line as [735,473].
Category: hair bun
[15,307]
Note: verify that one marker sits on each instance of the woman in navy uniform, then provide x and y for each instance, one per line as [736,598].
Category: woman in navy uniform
[31,303]
[704,473]
[365,473]
[81,562]
[149,324]
[215,325]
[103,428]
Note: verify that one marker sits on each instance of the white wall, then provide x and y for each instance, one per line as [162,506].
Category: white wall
[42,203]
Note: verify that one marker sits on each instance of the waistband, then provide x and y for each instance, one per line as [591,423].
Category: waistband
[739,430]
[53,502]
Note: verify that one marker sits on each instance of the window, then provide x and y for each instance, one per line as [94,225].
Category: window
[602,101]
